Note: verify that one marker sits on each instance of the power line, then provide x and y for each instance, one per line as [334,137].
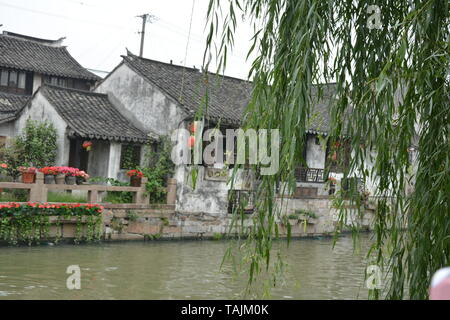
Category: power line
[59,15]
[186,51]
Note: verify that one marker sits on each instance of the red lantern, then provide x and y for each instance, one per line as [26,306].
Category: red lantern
[191,141]
[193,127]
[334,156]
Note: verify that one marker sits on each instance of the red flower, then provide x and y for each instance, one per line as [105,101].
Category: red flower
[136,173]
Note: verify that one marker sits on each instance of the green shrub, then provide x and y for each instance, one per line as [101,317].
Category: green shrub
[115,196]
[30,222]
[38,144]
[159,168]
[65,197]
[217,236]
[306,213]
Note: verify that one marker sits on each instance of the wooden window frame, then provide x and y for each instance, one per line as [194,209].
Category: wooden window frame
[137,151]
[13,88]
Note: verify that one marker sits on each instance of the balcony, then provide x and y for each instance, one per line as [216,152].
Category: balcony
[312,175]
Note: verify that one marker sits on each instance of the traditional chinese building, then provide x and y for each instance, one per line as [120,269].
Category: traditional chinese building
[162,97]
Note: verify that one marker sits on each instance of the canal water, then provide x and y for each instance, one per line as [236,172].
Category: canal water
[177,270]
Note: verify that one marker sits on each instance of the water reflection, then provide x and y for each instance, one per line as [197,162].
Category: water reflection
[176,270]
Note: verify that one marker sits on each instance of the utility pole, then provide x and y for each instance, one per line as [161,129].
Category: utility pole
[145,18]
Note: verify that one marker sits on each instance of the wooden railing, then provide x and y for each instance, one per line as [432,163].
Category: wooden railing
[38,191]
[314,175]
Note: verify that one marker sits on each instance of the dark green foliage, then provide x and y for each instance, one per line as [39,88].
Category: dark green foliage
[115,196]
[159,168]
[37,144]
[30,223]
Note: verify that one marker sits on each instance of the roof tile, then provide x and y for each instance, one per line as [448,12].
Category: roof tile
[39,56]
[228,97]
[91,115]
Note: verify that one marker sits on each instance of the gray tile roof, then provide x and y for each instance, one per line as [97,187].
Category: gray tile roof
[228,96]
[92,116]
[10,104]
[39,55]
[319,118]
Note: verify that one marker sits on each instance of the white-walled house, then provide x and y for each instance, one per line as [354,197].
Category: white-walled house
[40,80]
[25,64]
[140,101]
[162,97]
[80,116]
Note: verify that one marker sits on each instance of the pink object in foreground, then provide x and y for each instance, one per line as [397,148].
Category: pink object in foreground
[440,285]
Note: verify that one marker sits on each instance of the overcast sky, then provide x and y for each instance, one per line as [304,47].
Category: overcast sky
[98,31]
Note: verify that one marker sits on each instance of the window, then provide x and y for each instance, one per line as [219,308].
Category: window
[58,81]
[4,78]
[22,79]
[13,81]
[130,156]
[241,200]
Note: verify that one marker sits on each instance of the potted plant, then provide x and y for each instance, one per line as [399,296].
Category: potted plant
[60,177]
[49,174]
[71,175]
[293,219]
[82,176]
[87,145]
[28,174]
[3,170]
[135,177]
[306,216]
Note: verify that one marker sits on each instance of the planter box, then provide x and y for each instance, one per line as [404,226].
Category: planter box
[135,181]
[308,219]
[68,227]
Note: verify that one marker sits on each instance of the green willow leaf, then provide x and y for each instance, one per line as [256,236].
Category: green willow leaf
[392,81]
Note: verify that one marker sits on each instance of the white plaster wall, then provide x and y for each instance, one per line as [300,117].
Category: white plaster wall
[114,159]
[210,197]
[141,102]
[315,154]
[41,110]
[37,81]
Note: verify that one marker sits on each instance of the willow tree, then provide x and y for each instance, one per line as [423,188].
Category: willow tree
[390,62]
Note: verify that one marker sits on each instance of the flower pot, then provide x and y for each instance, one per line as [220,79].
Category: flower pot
[80,180]
[49,179]
[28,177]
[135,181]
[71,180]
[60,179]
